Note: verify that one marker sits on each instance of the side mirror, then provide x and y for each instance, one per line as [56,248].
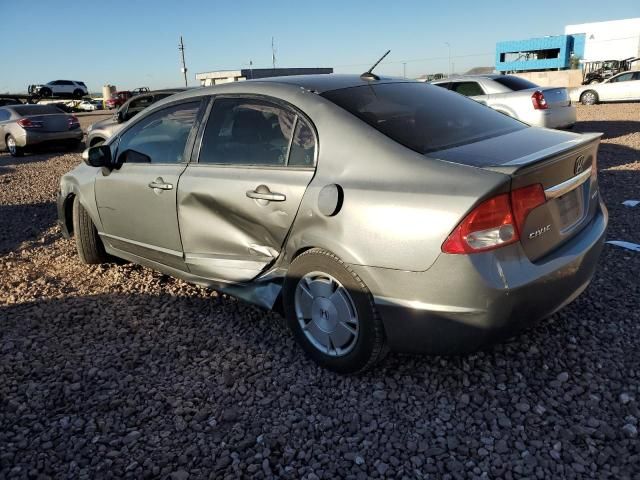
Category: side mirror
[99,156]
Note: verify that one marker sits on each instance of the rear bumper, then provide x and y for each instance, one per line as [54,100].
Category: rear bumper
[30,138]
[560,117]
[464,302]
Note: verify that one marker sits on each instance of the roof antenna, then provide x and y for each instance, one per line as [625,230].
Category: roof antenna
[369,75]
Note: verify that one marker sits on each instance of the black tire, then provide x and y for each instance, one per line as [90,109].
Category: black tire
[13,149]
[88,242]
[78,93]
[96,141]
[369,346]
[589,97]
[45,92]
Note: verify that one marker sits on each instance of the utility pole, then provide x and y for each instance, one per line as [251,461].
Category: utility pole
[449,45]
[184,66]
[404,70]
[273,53]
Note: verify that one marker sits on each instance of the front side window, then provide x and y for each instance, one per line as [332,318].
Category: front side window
[161,137]
[468,89]
[4,115]
[243,131]
[423,117]
[625,77]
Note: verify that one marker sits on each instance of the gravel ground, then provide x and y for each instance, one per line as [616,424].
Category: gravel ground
[121,372]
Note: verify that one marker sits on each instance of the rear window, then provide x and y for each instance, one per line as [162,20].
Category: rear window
[515,83]
[423,117]
[35,109]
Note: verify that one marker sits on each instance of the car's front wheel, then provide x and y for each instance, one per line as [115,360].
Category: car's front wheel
[88,242]
[13,147]
[331,313]
[589,97]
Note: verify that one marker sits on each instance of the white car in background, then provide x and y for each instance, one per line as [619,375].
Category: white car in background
[622,87]
[517,97]
[87,106]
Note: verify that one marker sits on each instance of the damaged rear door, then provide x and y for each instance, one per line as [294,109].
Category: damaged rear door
[237,203]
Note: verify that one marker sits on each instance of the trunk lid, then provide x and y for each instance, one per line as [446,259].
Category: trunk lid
[555,97]
[563,163]
[51,122]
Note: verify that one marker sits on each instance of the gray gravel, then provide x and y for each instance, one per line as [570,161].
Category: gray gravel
[120,372]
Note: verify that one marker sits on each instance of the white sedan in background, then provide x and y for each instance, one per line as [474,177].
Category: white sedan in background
[87,106]
[620,88]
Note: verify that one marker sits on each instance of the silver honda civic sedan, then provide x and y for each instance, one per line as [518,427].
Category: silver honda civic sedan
[376,214]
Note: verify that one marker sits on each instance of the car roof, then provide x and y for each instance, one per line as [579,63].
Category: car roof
[321,83]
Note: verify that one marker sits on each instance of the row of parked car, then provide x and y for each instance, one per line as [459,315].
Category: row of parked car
[511,95]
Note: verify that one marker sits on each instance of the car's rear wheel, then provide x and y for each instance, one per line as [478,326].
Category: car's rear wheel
[88,242]
[45,92]
[589,97]
[78,93]
[331,313]
[12,146]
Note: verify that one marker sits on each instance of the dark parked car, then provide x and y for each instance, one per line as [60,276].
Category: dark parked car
[373,212]
[100,131]
[9,101]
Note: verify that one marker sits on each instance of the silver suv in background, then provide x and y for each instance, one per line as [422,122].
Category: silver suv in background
[548,107]
[101,131]
[60,88]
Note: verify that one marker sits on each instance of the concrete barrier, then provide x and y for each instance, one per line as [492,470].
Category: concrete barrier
[559,78]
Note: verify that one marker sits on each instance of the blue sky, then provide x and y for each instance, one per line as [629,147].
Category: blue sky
[134,43]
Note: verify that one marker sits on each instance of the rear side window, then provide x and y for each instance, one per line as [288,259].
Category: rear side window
[161,137]
[515,83]
[4,115]
[468,89]
[423,117]
[303,146]
[247,132]
[35,109]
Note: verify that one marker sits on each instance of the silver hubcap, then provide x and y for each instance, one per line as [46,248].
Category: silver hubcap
[11,144]
[326,313]
[589,98]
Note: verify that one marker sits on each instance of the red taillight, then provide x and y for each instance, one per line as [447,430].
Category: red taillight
[525,199]
[490,225]
[73,122]
[496,222]
[538,100]
[28,123]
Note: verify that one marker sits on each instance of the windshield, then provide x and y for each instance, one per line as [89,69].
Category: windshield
[423,117]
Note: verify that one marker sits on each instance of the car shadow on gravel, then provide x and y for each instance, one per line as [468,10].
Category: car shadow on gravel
[611,128]
[23,223]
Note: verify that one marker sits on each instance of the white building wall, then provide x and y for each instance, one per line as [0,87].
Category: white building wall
[613,40]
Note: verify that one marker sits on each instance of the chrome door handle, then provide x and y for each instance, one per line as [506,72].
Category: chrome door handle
[268,196]
[160,184]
